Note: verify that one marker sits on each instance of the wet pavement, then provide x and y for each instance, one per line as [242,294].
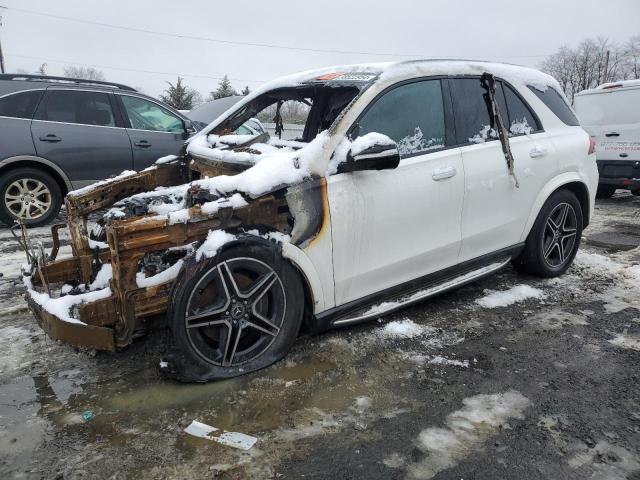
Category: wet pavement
[546,387]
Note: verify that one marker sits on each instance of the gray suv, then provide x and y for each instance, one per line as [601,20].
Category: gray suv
[58,134]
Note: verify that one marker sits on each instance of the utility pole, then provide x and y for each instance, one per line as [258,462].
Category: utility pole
[606,67]
[1,56]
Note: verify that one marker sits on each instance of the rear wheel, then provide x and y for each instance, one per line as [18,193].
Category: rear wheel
[554,239]
[605,191]
[29,195]
[235,313]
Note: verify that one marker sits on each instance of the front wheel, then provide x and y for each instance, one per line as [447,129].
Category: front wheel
[237,312]
[29,195]
[554,239]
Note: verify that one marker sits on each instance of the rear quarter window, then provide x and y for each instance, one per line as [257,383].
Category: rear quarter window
[20,105]
[552,99]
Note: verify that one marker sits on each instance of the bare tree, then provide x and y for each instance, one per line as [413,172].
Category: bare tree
[632,58]
[86,73]
[42,69]
[586,66]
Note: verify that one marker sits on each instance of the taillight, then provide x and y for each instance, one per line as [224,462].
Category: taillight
[592,145]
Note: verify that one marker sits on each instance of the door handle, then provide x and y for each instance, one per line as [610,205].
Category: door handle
[50,138]
[612,134]
[443,173]
[537,151]
[142,144]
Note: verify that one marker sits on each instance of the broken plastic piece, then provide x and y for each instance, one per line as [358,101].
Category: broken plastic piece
[231,439]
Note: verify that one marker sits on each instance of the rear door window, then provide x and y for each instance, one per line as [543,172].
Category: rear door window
[20,105]
[71,106]
[522,121]
[552,99]
[470,112]
[411,114]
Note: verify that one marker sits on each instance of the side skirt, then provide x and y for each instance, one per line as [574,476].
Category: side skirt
[400,296]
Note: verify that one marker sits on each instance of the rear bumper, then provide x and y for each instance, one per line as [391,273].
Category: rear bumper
[619,173]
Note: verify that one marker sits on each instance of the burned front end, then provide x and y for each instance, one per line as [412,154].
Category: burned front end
[124,265]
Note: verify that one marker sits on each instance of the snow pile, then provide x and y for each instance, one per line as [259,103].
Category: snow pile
[485,133]
[509,297]
[61,306]
[418,143]
[104,275]
[598,263]
[465,431]
[93,186]
[515,74]
[626,341]
[164,276]
[279,168]
[215,239]
[520,127]
[421,359]
[403,329]
[166,159]
[234,201]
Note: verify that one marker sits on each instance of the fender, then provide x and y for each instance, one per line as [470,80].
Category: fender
[42,161]
[304,265]
[551,186]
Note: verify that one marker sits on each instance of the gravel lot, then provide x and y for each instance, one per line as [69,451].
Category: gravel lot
[464,386]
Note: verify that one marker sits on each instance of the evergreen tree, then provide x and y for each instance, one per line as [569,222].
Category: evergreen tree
[179,96]
[42,69]
[246,91]
[225,89]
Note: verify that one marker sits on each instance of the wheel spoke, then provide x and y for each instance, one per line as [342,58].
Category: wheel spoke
[549,249]
[561,252]
[268,327]
[206,323]
[231,345]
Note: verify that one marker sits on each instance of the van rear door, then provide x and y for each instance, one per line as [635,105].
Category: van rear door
[612,117]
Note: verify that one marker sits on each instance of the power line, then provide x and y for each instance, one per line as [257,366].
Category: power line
[241,43]
[154,72]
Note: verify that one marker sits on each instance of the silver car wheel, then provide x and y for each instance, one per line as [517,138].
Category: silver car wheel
[27,198]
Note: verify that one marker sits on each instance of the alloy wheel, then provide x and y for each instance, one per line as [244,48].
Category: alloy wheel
[235,311]
[559,236]
[27,198]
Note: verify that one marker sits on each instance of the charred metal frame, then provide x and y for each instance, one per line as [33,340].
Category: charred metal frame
[110,323]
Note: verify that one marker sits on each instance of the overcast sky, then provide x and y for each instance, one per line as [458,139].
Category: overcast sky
[506,30]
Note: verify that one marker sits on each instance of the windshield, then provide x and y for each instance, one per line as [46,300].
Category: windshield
[610,108]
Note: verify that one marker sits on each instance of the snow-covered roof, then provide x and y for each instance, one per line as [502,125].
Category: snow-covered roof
[611,87]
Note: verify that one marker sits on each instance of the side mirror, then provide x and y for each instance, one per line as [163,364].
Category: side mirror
[373,151]
[189,128]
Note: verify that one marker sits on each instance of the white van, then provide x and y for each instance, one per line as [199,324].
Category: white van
[611,114]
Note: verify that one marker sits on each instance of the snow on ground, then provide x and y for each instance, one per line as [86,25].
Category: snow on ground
[403,329]
[626,341]
[504,298]
[465,431]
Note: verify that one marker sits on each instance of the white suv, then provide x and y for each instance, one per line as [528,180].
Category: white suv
[409,179]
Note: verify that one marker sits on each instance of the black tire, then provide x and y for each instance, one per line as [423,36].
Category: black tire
[44,189]
[211,352]
[636,192]
[554,239]
[605,191]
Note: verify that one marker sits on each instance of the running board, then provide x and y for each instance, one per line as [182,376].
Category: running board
[392,305]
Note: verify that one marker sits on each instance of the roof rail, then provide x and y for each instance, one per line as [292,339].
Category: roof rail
[48,78]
